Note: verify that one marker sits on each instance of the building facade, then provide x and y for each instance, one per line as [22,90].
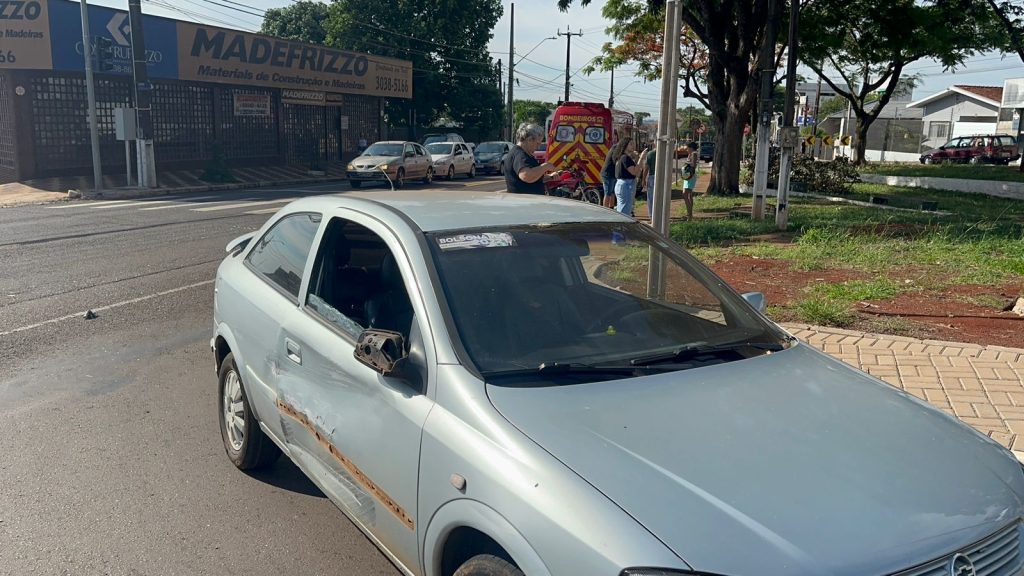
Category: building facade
[959,111]
[221,94]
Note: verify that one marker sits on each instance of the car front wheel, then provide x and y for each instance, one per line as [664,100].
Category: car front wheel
[430,176]
[247,446]
[399,178]
[487,565]
[472,171]
[451,173]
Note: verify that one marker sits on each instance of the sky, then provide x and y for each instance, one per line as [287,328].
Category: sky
[541,75]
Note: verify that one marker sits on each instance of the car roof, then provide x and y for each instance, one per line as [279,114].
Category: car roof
[432,210]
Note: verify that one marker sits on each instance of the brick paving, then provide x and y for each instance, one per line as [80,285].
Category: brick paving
[983,386]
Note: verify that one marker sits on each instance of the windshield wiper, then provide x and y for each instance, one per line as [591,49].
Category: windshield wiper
[570,368]
[691,351]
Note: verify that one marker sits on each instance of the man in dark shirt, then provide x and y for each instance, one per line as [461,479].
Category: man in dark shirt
[523,174]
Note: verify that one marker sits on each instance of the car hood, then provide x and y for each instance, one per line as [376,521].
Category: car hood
[438,157]
[371,161]
[785,464]
[488,156]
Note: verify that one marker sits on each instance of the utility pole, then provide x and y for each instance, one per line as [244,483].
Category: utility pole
[788,135]
[665,153]
[764,119]
[511,69]
[814,130]
[568,42]
[611,91]
[90,88]
[142,90]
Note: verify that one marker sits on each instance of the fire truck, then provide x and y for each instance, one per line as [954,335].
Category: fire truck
[579,135]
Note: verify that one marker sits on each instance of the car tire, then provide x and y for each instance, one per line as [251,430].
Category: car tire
[430,176]
[472,172]
[927,160]
[488,565]
[451,173]
[974,160]
[354,183]
[399,178]
[246,445]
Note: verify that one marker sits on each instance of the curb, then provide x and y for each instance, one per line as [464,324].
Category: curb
[131,193]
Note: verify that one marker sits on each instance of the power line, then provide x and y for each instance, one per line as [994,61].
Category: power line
[229,7]
[194,16]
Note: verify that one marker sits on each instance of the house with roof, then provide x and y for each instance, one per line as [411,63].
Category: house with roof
[959,110]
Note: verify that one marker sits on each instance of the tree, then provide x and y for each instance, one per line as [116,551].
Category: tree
[869,43]
[303,21]
[1010,14]
[718,62]
[454,77]
[830,106]
[533,111]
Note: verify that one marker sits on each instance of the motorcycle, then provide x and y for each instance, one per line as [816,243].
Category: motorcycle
[571,183]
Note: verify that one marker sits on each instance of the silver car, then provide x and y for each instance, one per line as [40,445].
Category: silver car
[391,162]
[498,384]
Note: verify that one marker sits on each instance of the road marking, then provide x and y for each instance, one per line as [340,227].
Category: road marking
[87,204]
[242,205]
[188,204]
[108,307]
[481,183]
[141,203]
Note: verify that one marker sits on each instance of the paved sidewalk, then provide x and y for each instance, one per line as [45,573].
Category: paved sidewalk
[983,386]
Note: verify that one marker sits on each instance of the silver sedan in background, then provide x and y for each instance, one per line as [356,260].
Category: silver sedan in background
[489,385]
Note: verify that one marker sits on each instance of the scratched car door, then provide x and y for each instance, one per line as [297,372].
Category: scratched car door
[355,432]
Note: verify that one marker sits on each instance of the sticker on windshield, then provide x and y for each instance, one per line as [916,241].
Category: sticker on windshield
[482,240]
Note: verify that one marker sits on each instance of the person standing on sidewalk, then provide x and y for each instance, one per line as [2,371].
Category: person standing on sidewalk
[625,179]
[646,176]
[608,175]
[523,173]
[690,169]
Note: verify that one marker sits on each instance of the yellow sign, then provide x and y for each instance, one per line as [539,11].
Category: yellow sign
[810,140]
[845,140]
[25,29]
[827,140]
[218,55]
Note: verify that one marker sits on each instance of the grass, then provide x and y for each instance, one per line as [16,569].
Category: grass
[981,242]
[958,171]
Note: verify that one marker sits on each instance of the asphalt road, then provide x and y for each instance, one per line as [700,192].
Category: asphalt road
[111,460]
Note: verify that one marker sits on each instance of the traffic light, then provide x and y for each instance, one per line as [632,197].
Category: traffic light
[104,54]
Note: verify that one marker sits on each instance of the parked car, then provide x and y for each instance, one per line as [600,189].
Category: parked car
[707,151]
[451,158]
[541,153]
[393,162]
[447,137]
[982,149]
[489,156]
[485,387]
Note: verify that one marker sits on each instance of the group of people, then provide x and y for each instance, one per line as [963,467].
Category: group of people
[622,169]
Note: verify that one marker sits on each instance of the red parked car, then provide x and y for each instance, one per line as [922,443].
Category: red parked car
[982,149]
[541,153]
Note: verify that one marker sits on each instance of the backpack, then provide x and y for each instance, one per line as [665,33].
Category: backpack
[688,171]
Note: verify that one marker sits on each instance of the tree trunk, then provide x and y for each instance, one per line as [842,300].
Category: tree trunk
[725,171]
[860,145]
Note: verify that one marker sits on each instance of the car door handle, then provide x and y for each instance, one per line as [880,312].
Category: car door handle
[293,351]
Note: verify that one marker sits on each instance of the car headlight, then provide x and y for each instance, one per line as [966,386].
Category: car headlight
[383,167]
[350,167]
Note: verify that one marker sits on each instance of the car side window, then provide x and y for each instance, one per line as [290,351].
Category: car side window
[420,150]
[356,283]
[280,255]
[410,148]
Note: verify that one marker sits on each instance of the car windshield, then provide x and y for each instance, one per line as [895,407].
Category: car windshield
[383,149]
[489,148]
[439,148]
[523,299]
[432,139]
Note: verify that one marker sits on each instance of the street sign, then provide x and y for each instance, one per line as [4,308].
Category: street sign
[810,140]
[789,136]
[700,129]
[827,140]
[845,140]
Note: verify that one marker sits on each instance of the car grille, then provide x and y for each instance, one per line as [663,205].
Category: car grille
[996,555]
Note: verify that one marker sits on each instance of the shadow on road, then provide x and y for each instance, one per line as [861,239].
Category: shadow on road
[285,475]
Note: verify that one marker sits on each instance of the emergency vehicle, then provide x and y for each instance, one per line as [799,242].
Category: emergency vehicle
[579,135]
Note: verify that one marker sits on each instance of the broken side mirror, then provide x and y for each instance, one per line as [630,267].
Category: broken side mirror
[382,350]
[757,300]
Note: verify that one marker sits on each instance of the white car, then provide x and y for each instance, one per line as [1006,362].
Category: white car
[451,158]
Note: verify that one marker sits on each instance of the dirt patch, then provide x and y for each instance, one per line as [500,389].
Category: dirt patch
[965,313]
[780,283]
